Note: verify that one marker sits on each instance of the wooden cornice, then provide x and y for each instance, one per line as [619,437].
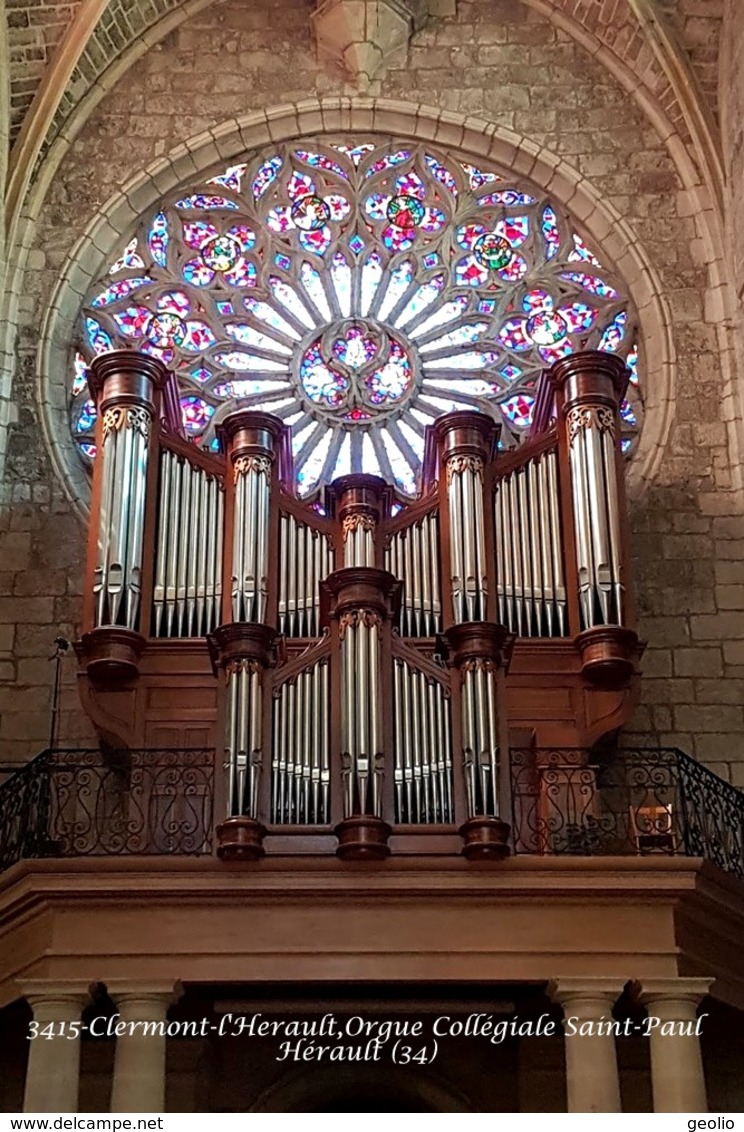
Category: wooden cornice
[527,918]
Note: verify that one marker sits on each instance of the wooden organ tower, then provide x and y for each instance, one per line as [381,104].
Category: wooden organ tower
[361,668]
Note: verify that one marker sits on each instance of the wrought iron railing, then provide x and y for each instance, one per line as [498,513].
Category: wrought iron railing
[81,803]
[565,801]
[580,803]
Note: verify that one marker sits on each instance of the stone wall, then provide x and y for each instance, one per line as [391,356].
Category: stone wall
[34,32]
[503,61]
[731,99]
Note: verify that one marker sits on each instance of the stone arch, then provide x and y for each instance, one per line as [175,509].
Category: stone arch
[311,1090]
[641,53]
[627,55]
[469,135]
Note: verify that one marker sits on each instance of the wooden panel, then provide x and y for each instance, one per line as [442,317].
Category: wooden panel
[190,697]
[525,704]
[172,736]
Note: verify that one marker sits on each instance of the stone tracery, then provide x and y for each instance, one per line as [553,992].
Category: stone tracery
[357,290]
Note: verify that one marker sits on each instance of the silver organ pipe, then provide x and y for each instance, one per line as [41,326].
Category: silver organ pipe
[422,749]
[117,583]
[468,575]
[480,741]
[361,722]
[243,737]
[531,589]
[250,530]
[359,540]
[550,485]
[413,556]
[591,447]
[188,549]
[184,549]
[305,560]
[300,758]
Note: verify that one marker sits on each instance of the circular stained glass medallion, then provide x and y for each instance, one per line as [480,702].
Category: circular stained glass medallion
[310,213]
[405,211]
[546,328]
[165,330]
[492,251]
[221,253]
[356,370]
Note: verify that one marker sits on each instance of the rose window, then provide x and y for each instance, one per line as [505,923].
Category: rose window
[357,291]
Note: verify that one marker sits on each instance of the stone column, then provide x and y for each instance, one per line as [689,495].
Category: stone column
[139,1061]
[592,1080]
[53,1073]
[674,1033]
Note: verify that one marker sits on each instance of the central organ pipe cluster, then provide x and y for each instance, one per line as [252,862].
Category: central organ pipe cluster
[362,646]
[359,596]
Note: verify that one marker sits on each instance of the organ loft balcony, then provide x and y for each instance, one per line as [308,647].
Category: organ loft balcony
[356,673]
[357,735]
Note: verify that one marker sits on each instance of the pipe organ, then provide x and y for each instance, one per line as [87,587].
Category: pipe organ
[361,662]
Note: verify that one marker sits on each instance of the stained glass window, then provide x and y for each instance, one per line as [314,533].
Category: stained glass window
[357,290]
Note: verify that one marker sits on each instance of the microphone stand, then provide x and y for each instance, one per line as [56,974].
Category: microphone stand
[60,646]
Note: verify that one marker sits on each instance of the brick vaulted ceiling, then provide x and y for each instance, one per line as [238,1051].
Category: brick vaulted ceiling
[37,31]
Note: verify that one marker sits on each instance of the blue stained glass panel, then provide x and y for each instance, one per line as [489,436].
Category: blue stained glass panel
[205,201]
[158,239]
[591,283]
[118,290]
[130,259]
[613,334]
[80,379]
[518,409]
[99,340]
[267,173]
[86,417]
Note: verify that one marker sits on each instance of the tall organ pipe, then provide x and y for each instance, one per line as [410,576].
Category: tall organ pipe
[241,653]
[127,388]
[531,587]
[591,386]
[362,721]
[250,550]
[252,442]
[360,600]
[479,656]
[422,765]
[305,560]
[465,443]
